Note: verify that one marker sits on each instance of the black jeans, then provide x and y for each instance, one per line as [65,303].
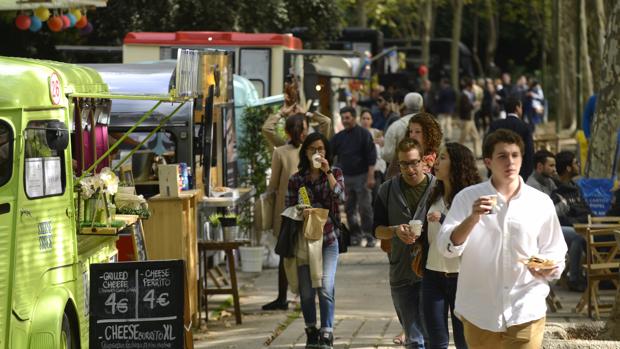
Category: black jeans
[438,293]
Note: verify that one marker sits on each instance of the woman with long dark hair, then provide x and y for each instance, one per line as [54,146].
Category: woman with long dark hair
[284,162]
[455,169]
[324,188]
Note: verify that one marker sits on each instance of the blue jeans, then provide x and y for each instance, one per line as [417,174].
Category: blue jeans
[307,294]
[406,299]
[439,292]
[576,248]
[359,200]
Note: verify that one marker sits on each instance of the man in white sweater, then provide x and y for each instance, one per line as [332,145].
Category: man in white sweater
[500,296]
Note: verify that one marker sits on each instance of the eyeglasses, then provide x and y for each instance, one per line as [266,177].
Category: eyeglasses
[316,150]
[406,164]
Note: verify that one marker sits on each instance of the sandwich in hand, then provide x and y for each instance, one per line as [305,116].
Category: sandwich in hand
[539,263]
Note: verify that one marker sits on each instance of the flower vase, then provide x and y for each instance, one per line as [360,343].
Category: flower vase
[111,213]
[90,205]
[100,215]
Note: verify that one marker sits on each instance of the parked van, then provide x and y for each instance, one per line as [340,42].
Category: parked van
[43,262]
[44,254]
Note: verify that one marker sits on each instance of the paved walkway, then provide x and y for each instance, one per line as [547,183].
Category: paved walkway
[365,316]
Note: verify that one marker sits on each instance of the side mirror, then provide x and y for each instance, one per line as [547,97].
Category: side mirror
[57,135]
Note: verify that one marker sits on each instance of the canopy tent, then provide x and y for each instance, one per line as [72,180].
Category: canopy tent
[11,5]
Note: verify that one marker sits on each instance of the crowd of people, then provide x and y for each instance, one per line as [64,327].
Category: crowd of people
[396,167]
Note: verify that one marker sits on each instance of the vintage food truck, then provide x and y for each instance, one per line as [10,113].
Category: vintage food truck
[44,264]
[44,254]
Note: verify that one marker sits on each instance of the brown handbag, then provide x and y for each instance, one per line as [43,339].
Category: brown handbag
[386,246]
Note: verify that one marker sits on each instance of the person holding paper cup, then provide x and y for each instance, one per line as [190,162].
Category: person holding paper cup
[309,188]
[400,200]
[500,299]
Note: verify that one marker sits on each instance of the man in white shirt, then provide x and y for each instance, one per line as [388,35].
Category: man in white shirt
[499,298]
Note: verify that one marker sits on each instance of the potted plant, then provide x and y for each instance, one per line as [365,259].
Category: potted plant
[230,226]
[212,229]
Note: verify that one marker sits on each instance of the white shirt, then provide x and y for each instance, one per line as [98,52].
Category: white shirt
[435,259]
[495,289]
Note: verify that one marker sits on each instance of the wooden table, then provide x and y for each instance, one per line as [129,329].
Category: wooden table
[223,284]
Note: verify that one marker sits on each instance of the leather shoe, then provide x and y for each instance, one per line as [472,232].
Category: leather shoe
[276,305]
[576,286]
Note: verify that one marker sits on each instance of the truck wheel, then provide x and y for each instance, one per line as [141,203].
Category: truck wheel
[68,338]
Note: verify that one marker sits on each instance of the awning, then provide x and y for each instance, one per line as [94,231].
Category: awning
[8,5]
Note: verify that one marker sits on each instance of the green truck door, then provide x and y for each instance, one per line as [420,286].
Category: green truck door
[7,208]
[45,237]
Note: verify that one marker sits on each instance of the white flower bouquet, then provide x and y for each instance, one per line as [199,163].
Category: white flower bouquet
[97,192]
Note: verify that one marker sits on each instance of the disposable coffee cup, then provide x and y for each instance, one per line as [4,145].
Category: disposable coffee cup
[416,227]
[493,199]
[315,160]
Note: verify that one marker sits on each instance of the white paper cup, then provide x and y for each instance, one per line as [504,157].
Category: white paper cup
[493,199]
[315,160]
[416,227]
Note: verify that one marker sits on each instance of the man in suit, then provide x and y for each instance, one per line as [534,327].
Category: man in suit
[513,122]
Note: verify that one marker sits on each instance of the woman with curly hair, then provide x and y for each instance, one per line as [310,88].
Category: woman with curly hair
[455,169]
[424,128]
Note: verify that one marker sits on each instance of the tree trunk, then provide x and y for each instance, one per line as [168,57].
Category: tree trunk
[596,38]
[566,65]
[427,21]
[474,46]
[457,5]
[584,55]
[360,13]
[606,117]
[489,60]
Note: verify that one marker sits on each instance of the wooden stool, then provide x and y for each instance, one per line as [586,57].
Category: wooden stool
[223,284]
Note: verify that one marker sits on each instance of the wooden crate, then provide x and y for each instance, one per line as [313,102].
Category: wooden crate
[170,233]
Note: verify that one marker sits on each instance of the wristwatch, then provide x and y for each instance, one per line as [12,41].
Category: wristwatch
[329,171]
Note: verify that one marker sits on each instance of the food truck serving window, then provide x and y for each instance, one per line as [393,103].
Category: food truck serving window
[6,152]
[44,169]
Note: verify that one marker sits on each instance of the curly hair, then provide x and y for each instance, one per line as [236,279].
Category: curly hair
[430,129]
[463,172]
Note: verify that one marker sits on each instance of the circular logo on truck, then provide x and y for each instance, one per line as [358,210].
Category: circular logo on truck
[55,89]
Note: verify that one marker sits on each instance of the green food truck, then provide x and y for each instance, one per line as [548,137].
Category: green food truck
[44,258]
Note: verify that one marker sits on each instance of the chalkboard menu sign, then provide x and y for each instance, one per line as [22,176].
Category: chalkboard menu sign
[137,305]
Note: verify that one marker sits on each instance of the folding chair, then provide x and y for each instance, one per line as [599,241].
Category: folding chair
[602,263]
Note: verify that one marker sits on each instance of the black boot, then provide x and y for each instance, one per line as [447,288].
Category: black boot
[276,305]
[312,338]
[326,340]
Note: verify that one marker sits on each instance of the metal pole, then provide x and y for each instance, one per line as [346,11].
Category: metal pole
[161,123]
